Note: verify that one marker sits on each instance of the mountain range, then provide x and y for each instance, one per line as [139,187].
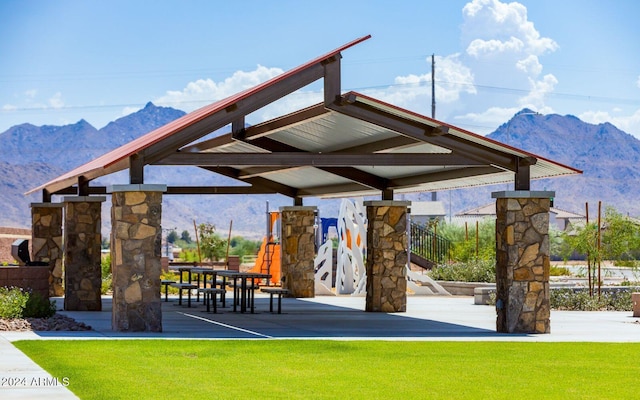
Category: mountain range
[31,155]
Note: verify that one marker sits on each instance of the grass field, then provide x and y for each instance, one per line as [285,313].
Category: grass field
[284,369]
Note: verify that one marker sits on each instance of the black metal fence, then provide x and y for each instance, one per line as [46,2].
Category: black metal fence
[424,242]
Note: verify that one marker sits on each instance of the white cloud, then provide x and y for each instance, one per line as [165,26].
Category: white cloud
[479,47]
[130,110]
[493,116]
[638,82]
[627,123]
[539,90]
[491,26]
[530,65]
[31,93]
[293,102]
[205,91]
[452,79]
[9,107]
[56,101]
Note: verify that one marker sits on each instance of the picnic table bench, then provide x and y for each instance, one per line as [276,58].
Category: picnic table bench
[184,286]
[275,291]
[166,283]
[209,295]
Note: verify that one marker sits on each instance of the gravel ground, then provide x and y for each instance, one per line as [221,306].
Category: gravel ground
[56,323]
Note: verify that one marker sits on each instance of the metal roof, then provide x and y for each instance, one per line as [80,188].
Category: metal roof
[350,144]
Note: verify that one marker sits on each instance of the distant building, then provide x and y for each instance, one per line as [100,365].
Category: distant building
[423,212]
[563,220]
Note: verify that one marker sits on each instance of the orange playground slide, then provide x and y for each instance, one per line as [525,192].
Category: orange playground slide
[274,261]
[270,264]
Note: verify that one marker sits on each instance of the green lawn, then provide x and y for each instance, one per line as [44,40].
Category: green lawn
[285,369]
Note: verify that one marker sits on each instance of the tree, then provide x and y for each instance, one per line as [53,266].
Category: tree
[463,240]
[620,236]
[242,247]
[172,236]
[212,246]
[185,236]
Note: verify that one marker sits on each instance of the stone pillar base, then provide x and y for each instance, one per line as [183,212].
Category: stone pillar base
[46,242]
[522,262]
[82,256]
[298,250]
[136,237]
[387,257]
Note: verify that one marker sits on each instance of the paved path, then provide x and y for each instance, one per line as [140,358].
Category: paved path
[432,318]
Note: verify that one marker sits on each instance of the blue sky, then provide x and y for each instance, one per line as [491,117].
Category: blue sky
[64,60]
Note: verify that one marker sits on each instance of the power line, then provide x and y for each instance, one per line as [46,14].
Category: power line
[582,97]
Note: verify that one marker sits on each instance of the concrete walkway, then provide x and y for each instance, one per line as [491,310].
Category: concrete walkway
[430,318]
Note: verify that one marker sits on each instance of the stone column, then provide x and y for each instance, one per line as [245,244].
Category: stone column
[298,250]
[522,261]
[136,235]
[46,242]
[82,240]
[387,257]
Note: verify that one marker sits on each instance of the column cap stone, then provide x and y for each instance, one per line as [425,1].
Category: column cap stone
[143,187]
[84,199]
[522,194]
[47,205]
[298,208]
[387,203]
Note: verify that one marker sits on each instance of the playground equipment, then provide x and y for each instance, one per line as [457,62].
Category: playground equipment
[268,260]
[323,267]
[351,276]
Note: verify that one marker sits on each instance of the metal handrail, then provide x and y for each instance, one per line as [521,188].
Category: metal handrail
[428,244]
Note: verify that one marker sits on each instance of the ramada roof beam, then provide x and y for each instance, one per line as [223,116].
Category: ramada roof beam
[234,112]
[424,133]
[297,159]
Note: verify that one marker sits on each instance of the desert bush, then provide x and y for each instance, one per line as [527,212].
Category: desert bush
[38,307]
[580,300]
[472,271]
[18,303]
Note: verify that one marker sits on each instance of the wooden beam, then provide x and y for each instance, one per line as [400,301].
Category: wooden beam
[198,190]
[423,132]
[136,169]
[332,83]
[443,175]
[83,186]
[305,115]
[243,107]
[523,177]
[257,182]
[296,159]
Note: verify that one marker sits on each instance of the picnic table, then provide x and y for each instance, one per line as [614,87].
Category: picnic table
[243,290]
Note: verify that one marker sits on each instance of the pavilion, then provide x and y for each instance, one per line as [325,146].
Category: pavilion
[348,145]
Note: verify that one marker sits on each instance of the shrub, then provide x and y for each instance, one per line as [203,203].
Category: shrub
[38,307]
[105,266]
[559,271]
[473,271]
[17,303]
[12,302]
[579,300]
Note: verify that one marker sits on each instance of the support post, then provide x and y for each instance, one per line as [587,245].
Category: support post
[522,261]
[298,250]
[387,256]
[46,242]
[82,257]
[136,237]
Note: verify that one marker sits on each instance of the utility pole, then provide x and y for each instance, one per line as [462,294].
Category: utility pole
[433,86]
[434,195]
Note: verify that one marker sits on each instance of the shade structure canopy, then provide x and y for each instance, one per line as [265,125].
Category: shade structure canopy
[348,145]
